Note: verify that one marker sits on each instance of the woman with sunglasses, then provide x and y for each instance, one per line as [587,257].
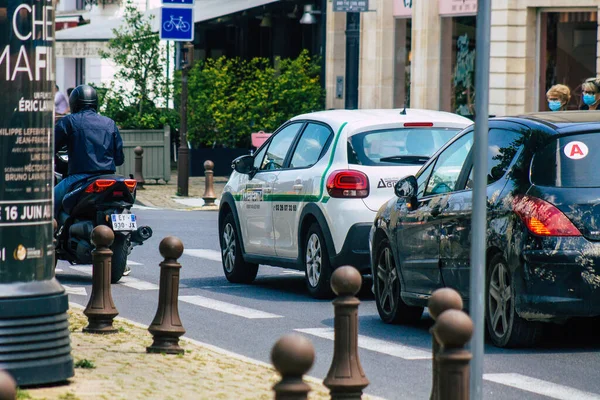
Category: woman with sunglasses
[591,94]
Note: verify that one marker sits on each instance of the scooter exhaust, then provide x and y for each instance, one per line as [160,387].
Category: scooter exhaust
[142,234]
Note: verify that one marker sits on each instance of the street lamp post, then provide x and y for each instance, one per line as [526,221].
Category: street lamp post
[34,329]
[183,160]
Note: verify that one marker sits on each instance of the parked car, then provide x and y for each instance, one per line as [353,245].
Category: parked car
[543,236]
[307,197]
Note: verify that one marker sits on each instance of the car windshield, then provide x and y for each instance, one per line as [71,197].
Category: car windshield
[567,162]
[402,146]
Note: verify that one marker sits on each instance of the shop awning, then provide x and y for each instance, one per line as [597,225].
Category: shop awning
[204,10]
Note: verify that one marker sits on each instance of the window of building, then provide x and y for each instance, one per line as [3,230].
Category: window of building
[567,53]
[403,32]
[457,81]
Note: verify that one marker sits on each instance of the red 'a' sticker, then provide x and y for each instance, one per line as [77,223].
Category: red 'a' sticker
[576,150]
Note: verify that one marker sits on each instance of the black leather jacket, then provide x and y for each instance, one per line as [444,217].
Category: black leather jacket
[93,141]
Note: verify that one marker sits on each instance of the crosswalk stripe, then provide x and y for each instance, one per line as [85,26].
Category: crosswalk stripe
[75,290]
[377,345]
[140,207]
[228,308]
[137,284]
[87,269]
[212,255]
[538,386]
[133,263]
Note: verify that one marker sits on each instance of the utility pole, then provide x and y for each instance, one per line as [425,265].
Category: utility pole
[183,160]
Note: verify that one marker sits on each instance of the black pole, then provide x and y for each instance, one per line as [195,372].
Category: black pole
[323,50]
[34,328]
[352,59]
[183,161]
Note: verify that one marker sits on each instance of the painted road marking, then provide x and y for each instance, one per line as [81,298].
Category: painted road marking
[228,308]
[291,272]
[137,284]
[378,345]
[140,207]
[133,263]
[75,290]
[538,386]
[86,269]
[58,270]
[212,255]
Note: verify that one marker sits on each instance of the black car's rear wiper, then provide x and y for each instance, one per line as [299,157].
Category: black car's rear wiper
[406,159]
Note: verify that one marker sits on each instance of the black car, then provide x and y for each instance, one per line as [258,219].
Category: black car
[543,235]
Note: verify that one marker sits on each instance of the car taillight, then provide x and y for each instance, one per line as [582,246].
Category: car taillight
[348,184]
[418,124]
[543,218]
[131,184]
[100,185]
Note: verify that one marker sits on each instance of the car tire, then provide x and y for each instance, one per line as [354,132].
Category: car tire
[386,280]
[505,328]
[235,268]
[317,268]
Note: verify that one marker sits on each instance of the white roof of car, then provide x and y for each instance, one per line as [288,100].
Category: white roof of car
[359,120]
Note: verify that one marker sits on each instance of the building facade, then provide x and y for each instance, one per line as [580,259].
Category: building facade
[422,54]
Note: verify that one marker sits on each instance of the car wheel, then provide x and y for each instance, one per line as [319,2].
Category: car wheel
[235,268]
[316,264]
[392,309]
[505,327]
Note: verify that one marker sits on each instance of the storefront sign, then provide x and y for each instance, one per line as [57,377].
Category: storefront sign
[458,7]
[403,8]
[80,49]
[26,120]
[351,5]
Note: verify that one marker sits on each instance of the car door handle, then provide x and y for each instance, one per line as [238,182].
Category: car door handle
[437,210]
[298,187]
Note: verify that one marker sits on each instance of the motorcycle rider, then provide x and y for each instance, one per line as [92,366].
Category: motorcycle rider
[94,144]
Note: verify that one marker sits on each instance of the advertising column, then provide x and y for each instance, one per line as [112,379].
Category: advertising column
[34,334]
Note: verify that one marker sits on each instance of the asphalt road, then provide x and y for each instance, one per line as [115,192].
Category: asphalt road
[248,319]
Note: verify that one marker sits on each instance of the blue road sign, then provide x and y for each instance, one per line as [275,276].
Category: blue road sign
[177,24]
[179,2]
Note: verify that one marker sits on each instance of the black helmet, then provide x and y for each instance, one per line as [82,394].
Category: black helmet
[83,96]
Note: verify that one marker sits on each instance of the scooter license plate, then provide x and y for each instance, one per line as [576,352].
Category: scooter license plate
[124,222]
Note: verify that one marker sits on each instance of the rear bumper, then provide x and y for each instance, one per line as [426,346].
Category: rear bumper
[561,283]
[355,250]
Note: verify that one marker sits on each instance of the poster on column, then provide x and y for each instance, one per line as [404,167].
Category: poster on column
[26,140]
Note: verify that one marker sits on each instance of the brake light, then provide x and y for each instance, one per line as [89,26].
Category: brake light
[348,184]
[543,218]
[100,185]
[131,184]
[418,124]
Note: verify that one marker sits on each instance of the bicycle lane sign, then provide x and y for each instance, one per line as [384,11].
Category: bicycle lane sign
[177,23]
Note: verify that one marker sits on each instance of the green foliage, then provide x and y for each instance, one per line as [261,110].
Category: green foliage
[229,98]
[85,363]
[22,394]
[137,51]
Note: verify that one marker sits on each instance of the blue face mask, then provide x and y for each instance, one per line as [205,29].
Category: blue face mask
[554,105]
[589,99]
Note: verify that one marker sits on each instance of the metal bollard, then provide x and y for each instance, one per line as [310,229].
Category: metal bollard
[101,310]
[137,173]
[346,378]
[292,356]
[453,330]
[8,386]
[166,327]
[440,301]
[209,192]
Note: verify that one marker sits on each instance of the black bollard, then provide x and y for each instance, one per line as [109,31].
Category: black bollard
[440,301]
[166,327]
[101,310]
[8,386]
[346,378]
[453,330]
[292,356]
[137,170]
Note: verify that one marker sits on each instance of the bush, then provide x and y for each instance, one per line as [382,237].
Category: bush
[229,98]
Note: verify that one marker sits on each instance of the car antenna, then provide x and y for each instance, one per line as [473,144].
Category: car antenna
[403,112]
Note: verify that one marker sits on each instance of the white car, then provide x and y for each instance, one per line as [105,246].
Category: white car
[308,196]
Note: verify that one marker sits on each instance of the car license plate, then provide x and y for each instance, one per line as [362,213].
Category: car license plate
[124,222]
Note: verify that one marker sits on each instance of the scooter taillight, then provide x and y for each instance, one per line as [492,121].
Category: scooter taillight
[131,184]
[100,185]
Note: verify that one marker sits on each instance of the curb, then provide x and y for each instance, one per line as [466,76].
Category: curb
[220,350]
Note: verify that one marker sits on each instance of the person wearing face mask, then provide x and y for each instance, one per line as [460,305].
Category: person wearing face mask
[591,94]
[558,97]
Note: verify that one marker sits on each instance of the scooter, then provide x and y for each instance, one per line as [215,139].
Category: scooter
[99,200]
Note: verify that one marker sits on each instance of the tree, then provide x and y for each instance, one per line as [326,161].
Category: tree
[136,50]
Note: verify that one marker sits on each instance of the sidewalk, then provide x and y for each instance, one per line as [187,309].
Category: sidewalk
[164,195]
[118,367]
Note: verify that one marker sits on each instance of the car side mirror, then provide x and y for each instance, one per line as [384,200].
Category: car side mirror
[406,189]
[243,164]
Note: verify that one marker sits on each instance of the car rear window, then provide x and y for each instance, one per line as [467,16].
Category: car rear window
[568,161]
[402,146]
